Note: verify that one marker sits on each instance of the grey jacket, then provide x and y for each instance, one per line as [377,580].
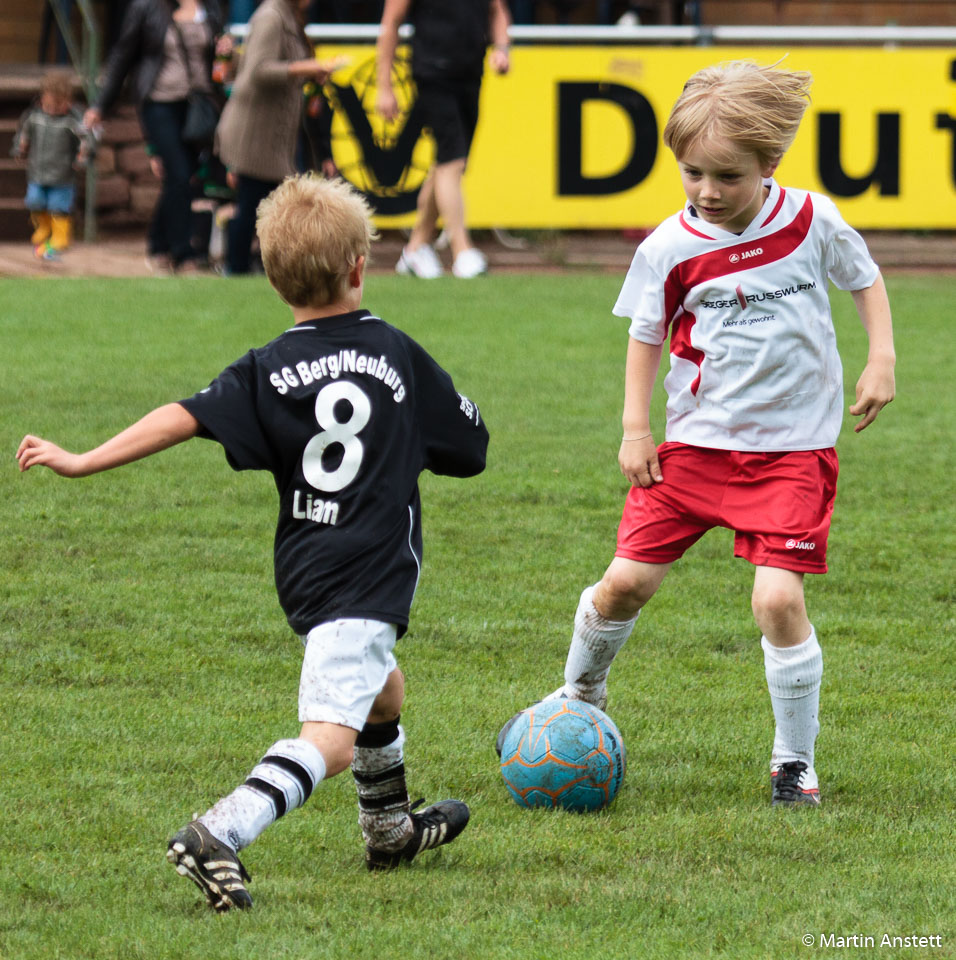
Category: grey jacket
[260,123]
[52,143]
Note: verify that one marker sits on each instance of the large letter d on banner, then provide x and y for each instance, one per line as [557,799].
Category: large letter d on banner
[571,100]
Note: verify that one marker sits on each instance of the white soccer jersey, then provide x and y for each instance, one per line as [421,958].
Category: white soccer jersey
[754,362]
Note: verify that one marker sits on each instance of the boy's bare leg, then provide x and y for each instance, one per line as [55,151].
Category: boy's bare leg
[626,586]
[779,606]
[333,741]
[288,773]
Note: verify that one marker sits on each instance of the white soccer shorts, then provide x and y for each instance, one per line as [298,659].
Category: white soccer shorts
[344,669]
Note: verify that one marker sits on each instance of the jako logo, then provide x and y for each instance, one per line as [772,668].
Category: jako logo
[751,253]
[801,545]
[734,257]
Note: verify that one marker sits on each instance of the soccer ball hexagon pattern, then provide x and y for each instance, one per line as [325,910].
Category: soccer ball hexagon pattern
[563,753]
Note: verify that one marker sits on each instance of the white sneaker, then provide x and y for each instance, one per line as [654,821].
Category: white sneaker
[563,693]
[470,263]
[421,262]
[160,264]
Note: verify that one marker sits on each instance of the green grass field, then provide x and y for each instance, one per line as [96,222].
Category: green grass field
[146,665]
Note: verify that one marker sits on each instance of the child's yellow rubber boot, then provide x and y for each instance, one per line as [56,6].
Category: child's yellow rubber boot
[42,227]
[62,232]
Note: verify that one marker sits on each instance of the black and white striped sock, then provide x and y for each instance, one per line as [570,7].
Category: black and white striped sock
[283,780]
[378,766]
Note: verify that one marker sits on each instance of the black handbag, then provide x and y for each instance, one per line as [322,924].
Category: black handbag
[202,110]
[202,117]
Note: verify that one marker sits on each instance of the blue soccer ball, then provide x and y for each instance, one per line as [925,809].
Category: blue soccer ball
[563,753]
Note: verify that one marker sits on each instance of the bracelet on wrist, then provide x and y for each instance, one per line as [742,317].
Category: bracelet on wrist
[634,439]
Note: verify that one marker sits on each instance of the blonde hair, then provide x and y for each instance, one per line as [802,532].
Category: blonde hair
[57,83]
[312,232]
[758,108]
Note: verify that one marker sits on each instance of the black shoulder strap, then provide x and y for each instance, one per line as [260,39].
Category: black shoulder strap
[185,53]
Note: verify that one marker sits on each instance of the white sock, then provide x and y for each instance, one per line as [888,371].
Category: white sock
[594,645]
[283,780]
[793,678]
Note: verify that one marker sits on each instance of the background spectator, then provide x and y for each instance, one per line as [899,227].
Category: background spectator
[262,121]
[448,56]
[148,51]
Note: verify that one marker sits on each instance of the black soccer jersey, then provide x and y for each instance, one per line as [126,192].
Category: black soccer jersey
[345,412]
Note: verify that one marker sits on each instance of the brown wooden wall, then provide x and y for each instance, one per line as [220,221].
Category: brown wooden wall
[20,30]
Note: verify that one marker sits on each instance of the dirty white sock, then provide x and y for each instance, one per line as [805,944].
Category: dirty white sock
[378,767]
[283,780]
[594,644]
[793,678]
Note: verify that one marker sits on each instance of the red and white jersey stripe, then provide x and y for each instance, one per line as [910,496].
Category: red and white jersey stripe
[754,362]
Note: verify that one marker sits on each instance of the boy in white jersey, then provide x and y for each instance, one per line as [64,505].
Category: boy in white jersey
[738,279]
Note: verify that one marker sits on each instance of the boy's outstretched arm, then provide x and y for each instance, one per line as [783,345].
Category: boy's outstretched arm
[163,427]
[877,384]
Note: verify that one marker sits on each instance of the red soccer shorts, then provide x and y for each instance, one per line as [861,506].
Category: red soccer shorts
[778,505]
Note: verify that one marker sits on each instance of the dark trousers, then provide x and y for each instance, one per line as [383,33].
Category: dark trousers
[50,25]
[170,231]
[242,227]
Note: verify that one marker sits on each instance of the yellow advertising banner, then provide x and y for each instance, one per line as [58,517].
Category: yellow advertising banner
[571,137]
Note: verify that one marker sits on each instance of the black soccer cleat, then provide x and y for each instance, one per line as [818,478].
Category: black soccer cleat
[503,732]
[433,827]
[213,866]
[793,784]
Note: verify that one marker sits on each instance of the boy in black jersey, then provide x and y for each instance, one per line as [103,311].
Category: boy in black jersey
[345,411]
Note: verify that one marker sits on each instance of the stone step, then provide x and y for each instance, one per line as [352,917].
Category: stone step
[19,84]
[13,177]
[8,128]
[14,220]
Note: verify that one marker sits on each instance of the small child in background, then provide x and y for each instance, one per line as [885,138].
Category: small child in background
[54,141]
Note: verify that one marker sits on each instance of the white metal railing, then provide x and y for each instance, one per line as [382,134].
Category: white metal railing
[774,36]
[941,36]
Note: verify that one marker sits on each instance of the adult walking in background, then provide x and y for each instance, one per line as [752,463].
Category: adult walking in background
[448,56]
[166,49]
[262,120]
